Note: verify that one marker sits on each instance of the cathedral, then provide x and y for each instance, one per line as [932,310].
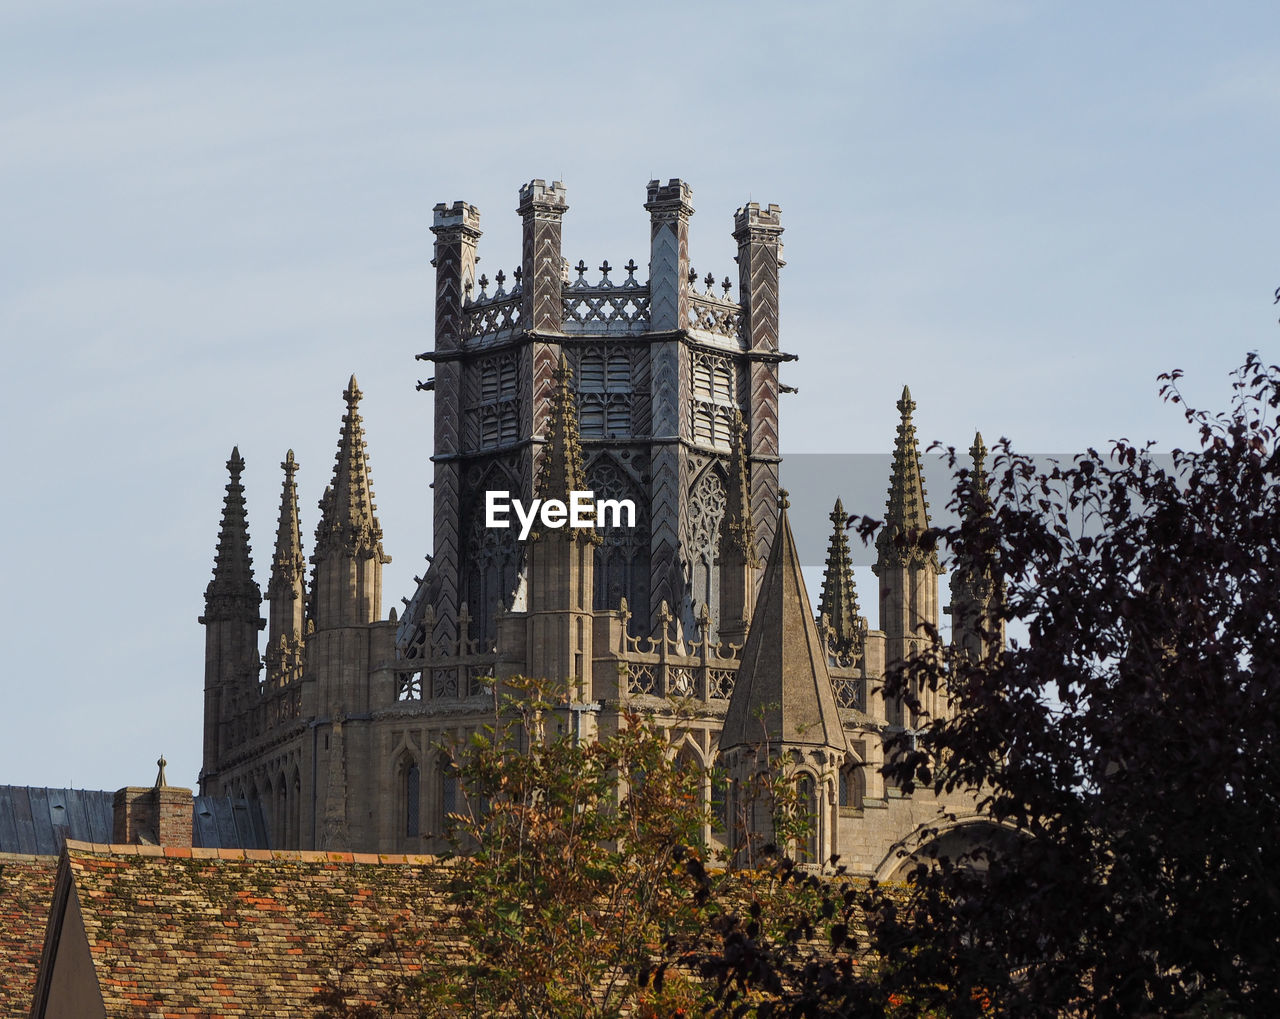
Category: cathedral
[658,394]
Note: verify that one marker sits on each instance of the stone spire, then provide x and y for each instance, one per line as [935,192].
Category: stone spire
[906,512]
[782,717]
[737,552]
[561,471]
[976,587]
[783,692]
[286,591]
[838,604]
[348,551]
[232,594]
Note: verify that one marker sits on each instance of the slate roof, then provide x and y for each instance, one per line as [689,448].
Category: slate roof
[185,932]
[36,821]
[26,890]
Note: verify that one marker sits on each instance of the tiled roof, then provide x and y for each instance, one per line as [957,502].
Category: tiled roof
[36,820]
[26,890]
[246,932]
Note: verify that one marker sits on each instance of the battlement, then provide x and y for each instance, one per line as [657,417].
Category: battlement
[538,192]
[543,295]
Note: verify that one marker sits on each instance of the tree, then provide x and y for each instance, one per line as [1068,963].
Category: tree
[1129,751]
[579,881]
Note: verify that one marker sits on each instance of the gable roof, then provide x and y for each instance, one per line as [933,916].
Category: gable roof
[226,932]
[26,889]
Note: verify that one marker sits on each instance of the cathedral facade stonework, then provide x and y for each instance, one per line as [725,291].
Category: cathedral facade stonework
[664,393]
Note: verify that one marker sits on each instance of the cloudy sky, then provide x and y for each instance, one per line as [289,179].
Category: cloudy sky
[211,214]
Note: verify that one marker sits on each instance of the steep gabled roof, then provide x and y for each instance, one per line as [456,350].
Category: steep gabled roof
[26,889]
[183,932]
[783,691]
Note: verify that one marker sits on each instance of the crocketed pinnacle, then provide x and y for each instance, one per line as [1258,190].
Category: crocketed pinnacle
[233,594]
[561,471]
[980,504]
[906,512]
[783,693]
[348,525]
[738,533]
[288,566]
[839,599]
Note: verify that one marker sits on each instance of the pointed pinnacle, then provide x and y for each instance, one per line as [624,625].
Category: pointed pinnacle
[232,593]
[906,511]
[838,601]
[561,470]
[288,565]
[347,521]
[738,530]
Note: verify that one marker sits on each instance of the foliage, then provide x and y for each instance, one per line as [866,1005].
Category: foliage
[1129,751]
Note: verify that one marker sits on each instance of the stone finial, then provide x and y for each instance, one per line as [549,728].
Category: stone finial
[161,781]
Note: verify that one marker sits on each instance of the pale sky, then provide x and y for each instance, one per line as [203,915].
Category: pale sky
[213,213]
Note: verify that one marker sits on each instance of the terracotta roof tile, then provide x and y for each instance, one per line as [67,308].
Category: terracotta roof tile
[199,934]
[26,890]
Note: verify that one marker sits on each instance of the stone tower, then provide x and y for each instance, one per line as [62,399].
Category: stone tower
[663,367]
[663,392]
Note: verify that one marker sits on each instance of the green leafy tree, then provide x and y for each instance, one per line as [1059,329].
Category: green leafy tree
[1129,752]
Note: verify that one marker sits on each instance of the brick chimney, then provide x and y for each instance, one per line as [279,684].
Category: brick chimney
[160,815]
